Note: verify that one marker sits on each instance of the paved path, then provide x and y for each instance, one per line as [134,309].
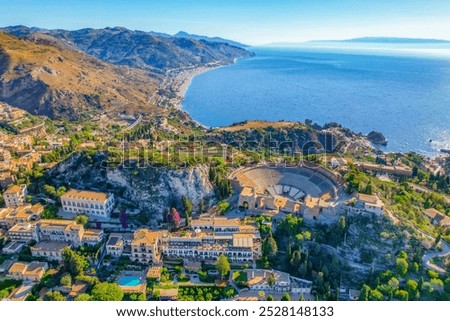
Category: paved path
[426,259]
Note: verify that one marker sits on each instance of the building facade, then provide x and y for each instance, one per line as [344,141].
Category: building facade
[28,272]
[15,195]
[60,231]
[23,233]
[51,251]
[93,204]
[146,246]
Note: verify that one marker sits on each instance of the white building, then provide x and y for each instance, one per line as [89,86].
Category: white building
[212,237]
[23,233]
[258,280]
[61,231]
[367,204]
[115,245]
[93,204]
[92,237]
[15,195]
[51,251]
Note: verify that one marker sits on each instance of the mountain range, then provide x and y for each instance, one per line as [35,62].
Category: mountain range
[183,34]
[77,74]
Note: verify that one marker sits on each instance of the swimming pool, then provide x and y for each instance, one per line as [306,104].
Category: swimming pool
[129,280]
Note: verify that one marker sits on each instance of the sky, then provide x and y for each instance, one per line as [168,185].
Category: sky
[253,22]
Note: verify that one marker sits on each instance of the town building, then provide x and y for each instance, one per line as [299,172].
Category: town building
[281,282]
[23,233]
[60,230]
[437,218]
[259,280]
[364,203]
[28,272]
[211,237]
[51,251]
[21,214]
[15,195]
[13,247]
[93,204]
[146,246]
[92,237]
[115,245]
[6,178]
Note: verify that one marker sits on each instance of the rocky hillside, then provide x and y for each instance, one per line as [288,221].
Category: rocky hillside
[139,49]
[305,138]
[152,189]
[50,80]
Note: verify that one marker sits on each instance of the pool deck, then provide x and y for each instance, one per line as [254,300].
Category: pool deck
[139,288]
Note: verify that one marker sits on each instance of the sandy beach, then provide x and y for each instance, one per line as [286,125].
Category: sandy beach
[178,80]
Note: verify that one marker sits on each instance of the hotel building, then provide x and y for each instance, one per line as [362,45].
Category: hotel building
[93,204]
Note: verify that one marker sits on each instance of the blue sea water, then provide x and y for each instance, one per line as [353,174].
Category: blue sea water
[404,96]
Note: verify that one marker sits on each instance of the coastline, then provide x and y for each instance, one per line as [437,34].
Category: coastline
[178,81]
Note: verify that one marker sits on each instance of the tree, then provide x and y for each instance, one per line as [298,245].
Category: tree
[187,205]
[66,280]
[447,285]
[54,296]
[295,260]
[107,292]
[286,297]
[402,266]
[174,218]
[376,295]
[202,206]
[261,295]
[270,298]
[223,206]
[82,220]
[74,263]
[270,247]
[123,218]
[50,211]
[401,295]
[365,292]
[223,265]
[83,297]
[271,280]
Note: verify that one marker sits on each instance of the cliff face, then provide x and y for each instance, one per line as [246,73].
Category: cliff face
[150,189]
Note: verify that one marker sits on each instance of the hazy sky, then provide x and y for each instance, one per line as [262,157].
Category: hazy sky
[249,21]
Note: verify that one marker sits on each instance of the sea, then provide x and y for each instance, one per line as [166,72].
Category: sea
[404,94]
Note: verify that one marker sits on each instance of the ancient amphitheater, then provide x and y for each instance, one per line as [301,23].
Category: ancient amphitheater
[289,189]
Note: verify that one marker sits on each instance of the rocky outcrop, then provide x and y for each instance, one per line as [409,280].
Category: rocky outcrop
[377,138]
[151,189]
